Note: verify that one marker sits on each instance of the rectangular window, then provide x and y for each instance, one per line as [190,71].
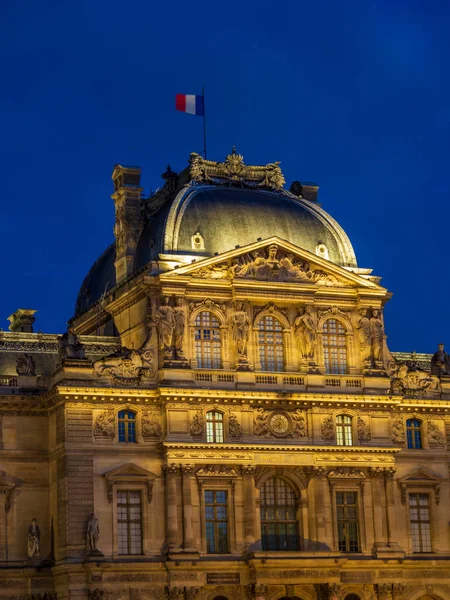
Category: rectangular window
[419,517]
[129,522]
[216,521]
[347,521]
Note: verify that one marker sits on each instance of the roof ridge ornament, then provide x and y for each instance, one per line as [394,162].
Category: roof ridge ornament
[235,172]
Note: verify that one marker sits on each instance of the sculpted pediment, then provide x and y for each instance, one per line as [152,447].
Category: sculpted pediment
[129,474]
[421,475]
[273,260]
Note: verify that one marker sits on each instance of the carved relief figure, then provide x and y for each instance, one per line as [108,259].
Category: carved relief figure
[364,336]
[440,362]
[300,428]
[398,432]
[408,379]
[376,336]
[327,429]
[260,422]
[104,425]
[240,326]
[92,535]
[306,332]
[70,346]
[435,435]
[179,327]
[363,431]
[165,321]
[197,425]
[150,426]
[25,365]
[34,540]
[234,427]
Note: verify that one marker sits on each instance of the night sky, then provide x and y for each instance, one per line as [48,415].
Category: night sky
[354,95]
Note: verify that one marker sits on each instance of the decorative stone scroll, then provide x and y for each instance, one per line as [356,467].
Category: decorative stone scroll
[279,424]
[234,172]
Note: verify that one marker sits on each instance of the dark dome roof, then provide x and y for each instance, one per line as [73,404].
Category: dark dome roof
[225,217]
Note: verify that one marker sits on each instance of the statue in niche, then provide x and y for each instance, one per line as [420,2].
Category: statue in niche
[25,365]
[440,362]
[70,346]
[240,327]
[34,540]
[364,336]
[165,322]
[92,535]
[376,336]
[306,332]
[179,319]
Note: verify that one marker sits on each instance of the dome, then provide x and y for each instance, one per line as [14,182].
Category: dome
[219,207]
[226,217]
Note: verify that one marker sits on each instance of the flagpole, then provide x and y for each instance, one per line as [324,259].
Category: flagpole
[204,120]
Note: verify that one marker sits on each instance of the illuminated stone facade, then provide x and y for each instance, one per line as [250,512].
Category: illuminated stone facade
[224,418]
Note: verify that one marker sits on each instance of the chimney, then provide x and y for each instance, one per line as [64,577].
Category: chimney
[22,320]
[128,227]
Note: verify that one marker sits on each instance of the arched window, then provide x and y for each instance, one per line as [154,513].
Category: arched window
[344,430]
[414,433]
[334,347]
[127,426]
[279,527]
[207,341]
[214,427]
[270,339]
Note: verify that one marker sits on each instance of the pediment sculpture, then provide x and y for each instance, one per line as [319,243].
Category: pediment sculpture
[408,379]
[271,263]
[127,366]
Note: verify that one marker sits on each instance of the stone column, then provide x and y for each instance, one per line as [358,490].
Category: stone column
[391,514]
[248,473]
[377,479]
[188,532]
[171,505]
[3,528]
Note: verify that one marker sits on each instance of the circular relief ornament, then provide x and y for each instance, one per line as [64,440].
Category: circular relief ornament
[279,424]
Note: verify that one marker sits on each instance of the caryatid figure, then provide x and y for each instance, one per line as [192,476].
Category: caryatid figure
[240,328]
[364,336]
[306,332]
[376,335]
[179,327]
[165,322]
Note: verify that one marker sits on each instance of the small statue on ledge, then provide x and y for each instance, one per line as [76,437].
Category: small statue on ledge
[70,346]
[34,540]
[92,536]
[25,365]
[440,362]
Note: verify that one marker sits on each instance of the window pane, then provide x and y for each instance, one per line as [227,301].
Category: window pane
[129,524]
[207,341]
[420,528]
[278,516]
[334,347]
[216,517]
[270,342]
[347,521]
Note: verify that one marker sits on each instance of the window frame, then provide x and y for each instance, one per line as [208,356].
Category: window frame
[357,520]
[216,520]
[263,346]
[126,422]
[276,522]
[325,347]
[411,431]
[412,493]
[130,521]
[200,364]
[344,427]
[218,483]
[214,422]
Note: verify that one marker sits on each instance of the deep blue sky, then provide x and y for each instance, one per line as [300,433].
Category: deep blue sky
[354,95]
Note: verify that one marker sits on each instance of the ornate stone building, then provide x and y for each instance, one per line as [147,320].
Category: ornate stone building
[223,418]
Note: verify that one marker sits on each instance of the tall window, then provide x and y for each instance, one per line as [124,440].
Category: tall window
[279,528]
[334,346]
[270,339]
[414,433]
[129,522]
[419,517]
[127,426]
[347,521]
[216,521]
[344,430]
[214,427]
[207,341]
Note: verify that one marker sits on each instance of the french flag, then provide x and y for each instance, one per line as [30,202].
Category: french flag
[190,103]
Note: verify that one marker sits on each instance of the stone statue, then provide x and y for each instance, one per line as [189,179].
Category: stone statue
[305,330]
[34,540]
[440,362]
[240,324]
[25,365]
[92,535]
[364,336]
[70,346]
[376,336]
[165,321]
[179,327]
